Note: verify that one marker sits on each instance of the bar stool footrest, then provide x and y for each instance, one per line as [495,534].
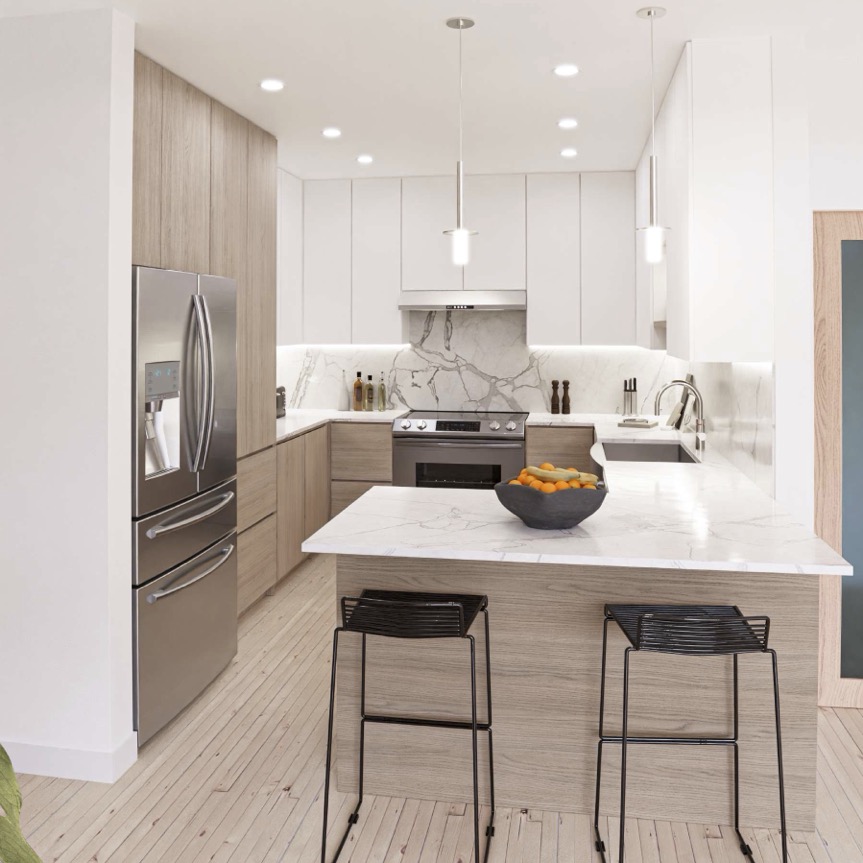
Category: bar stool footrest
[427,723]
[353,818]
[681,741]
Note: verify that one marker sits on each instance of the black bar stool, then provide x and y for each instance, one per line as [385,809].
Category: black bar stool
[402,614]
[687,630]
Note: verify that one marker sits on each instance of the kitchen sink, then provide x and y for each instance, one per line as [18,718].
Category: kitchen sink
[641,451]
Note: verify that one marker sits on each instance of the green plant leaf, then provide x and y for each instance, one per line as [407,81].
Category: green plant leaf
[13,845]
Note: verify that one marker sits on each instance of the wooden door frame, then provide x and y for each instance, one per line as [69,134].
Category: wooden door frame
[829,230]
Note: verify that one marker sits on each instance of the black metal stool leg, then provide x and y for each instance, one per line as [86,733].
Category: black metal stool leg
[489,830]
[624,731]
[362,720]
[745,850]
[354,816]
[599,844]
[782,823]
[329,745]
[473,722]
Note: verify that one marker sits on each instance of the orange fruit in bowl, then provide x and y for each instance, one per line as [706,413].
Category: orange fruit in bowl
[573,468]
[546,465]
[548,487]
[513,482]
[589,485]
[537,484]
[574,483]
[560,485]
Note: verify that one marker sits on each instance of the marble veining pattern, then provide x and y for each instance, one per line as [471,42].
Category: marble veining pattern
[467,360]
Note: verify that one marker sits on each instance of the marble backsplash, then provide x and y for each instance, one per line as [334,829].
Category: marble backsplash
[468,360]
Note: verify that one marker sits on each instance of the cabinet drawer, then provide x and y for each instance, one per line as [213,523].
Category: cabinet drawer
[563,447]
[344,493]
[316,486]
[256,488]
[256,561]
[362,451]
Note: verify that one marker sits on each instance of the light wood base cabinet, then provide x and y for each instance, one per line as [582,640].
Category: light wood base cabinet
[563,447]
[344,492]
[362,451]
[256,488]
[291,483]
[303,493]
[256,548]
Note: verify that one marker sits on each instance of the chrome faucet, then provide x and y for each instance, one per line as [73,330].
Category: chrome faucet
[700,441]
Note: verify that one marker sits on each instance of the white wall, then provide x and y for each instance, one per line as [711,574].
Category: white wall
[66,90]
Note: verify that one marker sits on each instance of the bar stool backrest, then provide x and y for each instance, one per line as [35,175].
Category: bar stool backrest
[403,618]
[702,635]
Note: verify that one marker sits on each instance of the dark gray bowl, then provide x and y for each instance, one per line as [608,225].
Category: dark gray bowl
[558,511]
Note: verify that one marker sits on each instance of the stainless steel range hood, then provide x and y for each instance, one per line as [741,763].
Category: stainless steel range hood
[425,301]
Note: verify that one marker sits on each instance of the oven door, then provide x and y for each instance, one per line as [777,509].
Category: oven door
[455,463]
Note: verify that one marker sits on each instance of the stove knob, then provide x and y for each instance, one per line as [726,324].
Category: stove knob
[510,426]
[406,424]
[421,424]
[494,425]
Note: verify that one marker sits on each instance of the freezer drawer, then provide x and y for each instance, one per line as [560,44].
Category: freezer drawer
[167,538]
[185,634]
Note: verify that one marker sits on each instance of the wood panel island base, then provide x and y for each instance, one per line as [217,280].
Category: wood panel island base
[546,640]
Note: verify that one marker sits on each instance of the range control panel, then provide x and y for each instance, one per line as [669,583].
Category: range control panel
[162,380]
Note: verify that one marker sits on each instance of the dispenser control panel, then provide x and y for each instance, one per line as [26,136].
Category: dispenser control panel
[162,380]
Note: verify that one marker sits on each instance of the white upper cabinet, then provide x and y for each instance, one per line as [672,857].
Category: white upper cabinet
[376,262]
[495,208]
[608,258]
[290,279]
[553,259]
[327,262]
[428,209]
[716,196]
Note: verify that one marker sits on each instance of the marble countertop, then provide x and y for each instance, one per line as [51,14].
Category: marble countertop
[299,421]
[706,516]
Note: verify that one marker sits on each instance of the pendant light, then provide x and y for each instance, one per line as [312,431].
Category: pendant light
[654,233]
[460,234]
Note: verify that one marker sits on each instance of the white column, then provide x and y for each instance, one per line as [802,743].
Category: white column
[66,93]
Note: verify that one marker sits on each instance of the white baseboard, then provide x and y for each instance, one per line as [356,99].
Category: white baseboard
[88,765]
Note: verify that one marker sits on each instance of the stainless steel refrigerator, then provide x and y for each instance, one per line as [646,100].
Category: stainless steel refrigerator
[184,495]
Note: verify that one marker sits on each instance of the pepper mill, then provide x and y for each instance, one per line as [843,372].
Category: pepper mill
[566,397]
[555,398]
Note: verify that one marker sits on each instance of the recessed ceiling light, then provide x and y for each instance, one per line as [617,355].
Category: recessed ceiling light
[567,123]
[365,159]
[566,70]
[272,85]
[331,132]
[569,152]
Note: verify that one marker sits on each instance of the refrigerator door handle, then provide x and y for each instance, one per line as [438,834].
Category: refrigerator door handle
[204,340]
[167,527]
[210,391]
[225,553]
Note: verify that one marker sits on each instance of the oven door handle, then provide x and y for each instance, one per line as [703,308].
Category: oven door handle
[476,444]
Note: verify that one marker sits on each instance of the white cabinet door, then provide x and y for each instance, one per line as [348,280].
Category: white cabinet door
[376,262]
[495,208]
[327,262]
[428,209]
[290,276]
[553,259]
[731,265]
[608,258]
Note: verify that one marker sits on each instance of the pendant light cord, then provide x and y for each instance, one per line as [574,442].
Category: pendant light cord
[460,98]
[652,94]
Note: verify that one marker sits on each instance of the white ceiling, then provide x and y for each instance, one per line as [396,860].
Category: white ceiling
[385,72]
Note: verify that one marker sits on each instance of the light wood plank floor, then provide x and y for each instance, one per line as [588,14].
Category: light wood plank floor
[238,777]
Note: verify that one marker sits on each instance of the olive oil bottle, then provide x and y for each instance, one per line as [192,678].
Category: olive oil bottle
[357,400]
[369,395]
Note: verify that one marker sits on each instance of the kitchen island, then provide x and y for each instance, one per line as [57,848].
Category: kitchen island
[667,533]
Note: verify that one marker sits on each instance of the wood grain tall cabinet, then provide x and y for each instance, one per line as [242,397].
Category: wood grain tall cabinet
[204,200]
